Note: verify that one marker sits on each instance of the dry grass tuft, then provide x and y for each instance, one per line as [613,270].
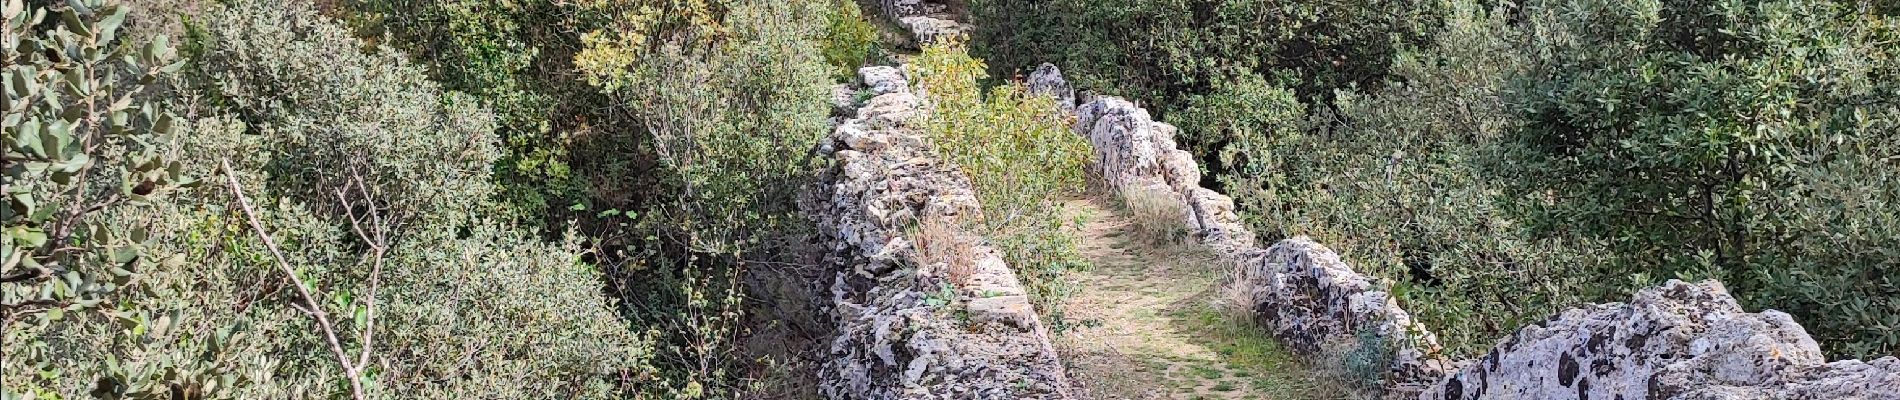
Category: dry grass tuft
[941,242]
[1156,215]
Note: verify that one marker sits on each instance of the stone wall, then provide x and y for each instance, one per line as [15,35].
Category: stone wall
[925,20]
[1677,341]
[905,328]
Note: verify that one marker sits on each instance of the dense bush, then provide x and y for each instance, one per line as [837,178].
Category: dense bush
[850,40]
[730,96]
[1716,140]
[668,131]
[512,56]
[79,143]
[345,275]
[1019,155]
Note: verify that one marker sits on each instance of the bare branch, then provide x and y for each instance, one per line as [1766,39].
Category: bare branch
[353,373]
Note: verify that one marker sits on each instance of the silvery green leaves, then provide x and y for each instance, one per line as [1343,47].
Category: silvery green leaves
[77,141]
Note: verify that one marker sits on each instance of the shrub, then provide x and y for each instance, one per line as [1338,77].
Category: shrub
[1572,152]
[1020,156]
[439,302]
[850,40]
[1166,52]
[1709,140]
[729,95]
[511,55]
[81,148]
[303,81]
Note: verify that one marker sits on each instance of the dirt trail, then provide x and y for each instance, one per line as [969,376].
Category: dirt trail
[1142,324]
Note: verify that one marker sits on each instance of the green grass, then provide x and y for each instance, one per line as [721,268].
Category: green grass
[1254,356]
[1207,372]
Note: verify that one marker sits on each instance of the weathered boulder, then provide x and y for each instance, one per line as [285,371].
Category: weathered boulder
[891,110]
[896,9]
[1676,341]
[844,100]
[898,332]
[1305,296]
[1047,80]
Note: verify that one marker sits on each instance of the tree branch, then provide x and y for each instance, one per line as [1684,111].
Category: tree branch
[352,372]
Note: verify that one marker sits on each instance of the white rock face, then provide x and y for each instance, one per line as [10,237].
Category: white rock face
[926,30]
[898,335]
[1678,341]
[1048,81]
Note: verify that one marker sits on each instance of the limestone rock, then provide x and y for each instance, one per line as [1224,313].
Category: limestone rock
[1685,341]
[880,80]
[1318,306]
[1048,81]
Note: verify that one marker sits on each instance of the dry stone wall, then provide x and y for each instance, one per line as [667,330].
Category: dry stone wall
[1682,341]
[926,20]
[905,328]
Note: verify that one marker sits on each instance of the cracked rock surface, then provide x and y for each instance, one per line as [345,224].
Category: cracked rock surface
[1686,341]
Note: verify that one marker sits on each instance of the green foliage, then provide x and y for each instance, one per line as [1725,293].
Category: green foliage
[668,131]
[80,142]
[1716,139]
[729,96]
[372,184]
[506,53]
[1575,151]
[850,40]
[729,126]
[1166,52]
[303,79]
[1237,123]
[1395,182]
[1019,154]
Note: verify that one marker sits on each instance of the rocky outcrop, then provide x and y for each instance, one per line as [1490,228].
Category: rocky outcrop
[905,328]
[1679,341]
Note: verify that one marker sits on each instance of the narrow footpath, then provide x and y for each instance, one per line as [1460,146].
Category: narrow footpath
[1145,323]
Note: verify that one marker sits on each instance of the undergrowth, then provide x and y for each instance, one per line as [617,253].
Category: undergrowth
[1022,159]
